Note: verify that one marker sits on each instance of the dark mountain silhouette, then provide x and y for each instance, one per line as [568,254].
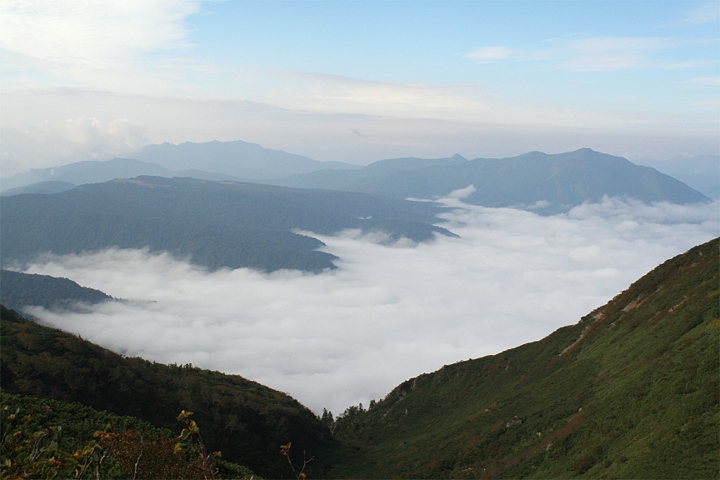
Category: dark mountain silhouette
[18,290]
[241,160]
[91,171]
[347,179]
[545,183]
[236,161]
[215,224]
[50,186]
[631,391]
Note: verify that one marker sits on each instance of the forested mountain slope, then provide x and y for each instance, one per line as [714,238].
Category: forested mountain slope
[18,290]
[214,224]
[246,421]
[631,391]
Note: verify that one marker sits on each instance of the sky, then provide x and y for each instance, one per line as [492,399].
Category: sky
[389,312]
[358,81]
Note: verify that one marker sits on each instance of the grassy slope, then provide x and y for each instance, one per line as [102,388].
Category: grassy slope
[244,420]
[634,396]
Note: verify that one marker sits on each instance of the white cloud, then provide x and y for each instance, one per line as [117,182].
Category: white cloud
[596,54]
[463,192]
[89,42]
[704,13]
[705,81]
[75,139]
[338,94]
[490,54]
[389,312]
[609,53]
[92,31]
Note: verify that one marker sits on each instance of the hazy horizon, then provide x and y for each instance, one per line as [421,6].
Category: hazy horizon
[358,81]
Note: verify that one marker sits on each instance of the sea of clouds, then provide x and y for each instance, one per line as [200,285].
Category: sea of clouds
[389,312]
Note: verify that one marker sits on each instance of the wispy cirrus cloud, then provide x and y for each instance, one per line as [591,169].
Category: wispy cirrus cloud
[492,53]
[705,81]
[597,54]
[336,94]
[700,14]
[609,53]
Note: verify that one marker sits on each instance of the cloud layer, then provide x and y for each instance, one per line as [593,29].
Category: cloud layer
[89,43]
[75,139]
[389,312]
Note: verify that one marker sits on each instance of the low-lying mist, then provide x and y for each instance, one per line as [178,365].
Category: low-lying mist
[389,312]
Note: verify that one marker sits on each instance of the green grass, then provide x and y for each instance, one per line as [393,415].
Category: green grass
[246,421]
[636,397]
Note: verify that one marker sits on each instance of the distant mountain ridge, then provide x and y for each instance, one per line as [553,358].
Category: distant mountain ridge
[236,161]
[542,182]
[241,160]
[702,172]
[91,171]
[214,224]
[48,187]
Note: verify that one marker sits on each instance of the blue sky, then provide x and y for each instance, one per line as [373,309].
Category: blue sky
[359,81]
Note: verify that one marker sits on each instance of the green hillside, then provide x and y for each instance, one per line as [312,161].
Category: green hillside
[246,421]
[43,438]
[631,391]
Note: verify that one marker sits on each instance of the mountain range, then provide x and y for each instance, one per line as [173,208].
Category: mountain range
[236,161]
[630,391]
[544,183]
[541,182]
[214,224]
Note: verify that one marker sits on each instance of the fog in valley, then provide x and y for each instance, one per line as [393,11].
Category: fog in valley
[389,312]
